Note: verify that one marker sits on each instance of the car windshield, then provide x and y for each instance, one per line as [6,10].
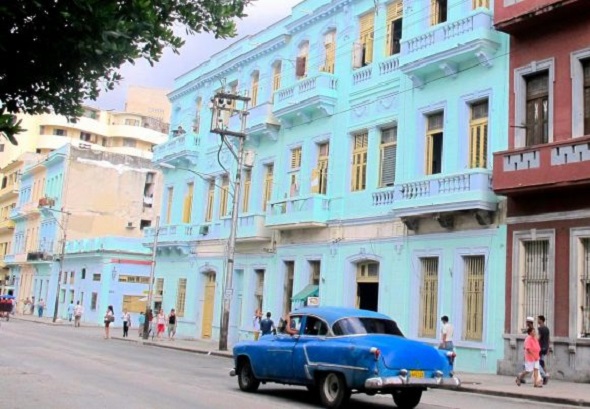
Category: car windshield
[359,326]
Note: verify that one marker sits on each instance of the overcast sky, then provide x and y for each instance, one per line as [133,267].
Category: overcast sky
[261,14]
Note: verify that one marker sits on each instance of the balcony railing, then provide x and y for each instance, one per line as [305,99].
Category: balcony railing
[178,148]
[449,44]
[558,163]
[251,227]
[471,190]
[307,96]
[299,212]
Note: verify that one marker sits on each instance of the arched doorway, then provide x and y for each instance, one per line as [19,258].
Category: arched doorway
[208,305]
[367,285]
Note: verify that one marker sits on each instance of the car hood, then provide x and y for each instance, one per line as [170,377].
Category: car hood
[402,353]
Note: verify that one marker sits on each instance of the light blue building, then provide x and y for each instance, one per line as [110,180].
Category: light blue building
[367,179]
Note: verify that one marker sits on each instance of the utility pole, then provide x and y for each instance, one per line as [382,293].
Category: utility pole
[223,106]
[148,306]
[62,255]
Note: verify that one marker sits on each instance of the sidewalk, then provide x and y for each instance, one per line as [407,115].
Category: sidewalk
[557,392]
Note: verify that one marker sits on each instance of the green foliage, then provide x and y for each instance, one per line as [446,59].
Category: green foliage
[58,53]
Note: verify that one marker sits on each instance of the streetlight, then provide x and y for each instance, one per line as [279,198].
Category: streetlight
[148,307]
[62,254]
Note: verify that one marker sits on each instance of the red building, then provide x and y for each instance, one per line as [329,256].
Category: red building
[545,176]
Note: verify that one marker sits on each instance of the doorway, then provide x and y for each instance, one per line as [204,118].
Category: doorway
[367,292]
[208,305]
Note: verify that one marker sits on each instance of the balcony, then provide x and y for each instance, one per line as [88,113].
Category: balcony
[298,213]
[553,165]
[447,46]
[251,227]
[444,193]
[172,238]
[511,16]
[180,150]
[6,225]
[260,122]
[9,191]
[374,74]
[307,98]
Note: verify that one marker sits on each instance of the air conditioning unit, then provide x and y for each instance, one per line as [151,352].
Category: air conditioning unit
[130,225]
[204,230]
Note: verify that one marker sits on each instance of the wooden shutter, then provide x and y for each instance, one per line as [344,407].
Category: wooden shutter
[169,205]
[315,181]
[210,201]
[478,135]
[429,297]
[367,24]
[359,161]
[247,186]
[388,156]
[268,182]
[254,89]
[300,66]
[395,11]
[188,204]
[276,80]
[474,297]
[296,158]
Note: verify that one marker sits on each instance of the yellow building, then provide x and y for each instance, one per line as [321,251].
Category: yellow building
[151,102]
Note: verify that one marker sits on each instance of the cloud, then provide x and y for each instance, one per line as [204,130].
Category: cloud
[198,48]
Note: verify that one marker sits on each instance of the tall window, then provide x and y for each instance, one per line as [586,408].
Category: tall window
[254,89]
[584,290]
[367,29]
[481,3]
[170,197]
[276,76]
[537,108]
[428,297]
[210,201]
[181,297]
[388,153]
[535,278]
[302,62]
[473,294]
[438,11]
[259,291]
[159,287]
[586,68]
[478,135]
[330,50]
[395,12]
[268,182]
[197,120]
[434,144]
[319,176]
[93,301]
[315,267]
[224,196]
[294,171]
[247,186]
[188,203]
[359,161]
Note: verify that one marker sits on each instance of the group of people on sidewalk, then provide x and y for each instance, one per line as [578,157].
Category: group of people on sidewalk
[536,349]
[157,324]
[29,306]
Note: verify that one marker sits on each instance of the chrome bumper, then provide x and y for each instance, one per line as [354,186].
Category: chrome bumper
[393,381]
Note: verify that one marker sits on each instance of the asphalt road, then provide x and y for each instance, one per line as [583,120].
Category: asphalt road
[46,367]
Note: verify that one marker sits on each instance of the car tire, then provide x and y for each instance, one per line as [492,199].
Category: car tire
[333,390]
[407,398]
[246,379]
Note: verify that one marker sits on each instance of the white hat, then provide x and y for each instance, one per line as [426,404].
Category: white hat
[530,319]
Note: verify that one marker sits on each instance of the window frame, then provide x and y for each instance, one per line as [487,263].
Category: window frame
[577,75]
[577,234]
[422,330]
[319,175]
[394,14]
[474,124]
[187,210]
[247,187]
[224,210]
[210,201]
[169,203]
[329,52]
[520,75]
[268,185]
[481,321]
[517,319]
[437,15]
[382,147]
[181,296]
[366,37]
[359,161]
[429,144]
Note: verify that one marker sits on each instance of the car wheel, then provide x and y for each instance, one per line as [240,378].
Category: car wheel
[407,398]
[333,390]
[246,379]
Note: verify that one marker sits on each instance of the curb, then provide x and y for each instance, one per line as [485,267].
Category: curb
[515,395]
[219,354]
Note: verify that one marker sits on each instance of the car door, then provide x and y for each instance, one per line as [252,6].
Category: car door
[279,362]
[313,336]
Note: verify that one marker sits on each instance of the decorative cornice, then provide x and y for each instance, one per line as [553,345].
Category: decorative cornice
[231,65]
[319,14]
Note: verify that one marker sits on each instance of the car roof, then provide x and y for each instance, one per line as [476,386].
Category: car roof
[333,314]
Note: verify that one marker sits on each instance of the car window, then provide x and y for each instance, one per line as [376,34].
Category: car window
[315,326]
[358,326]
[295,323]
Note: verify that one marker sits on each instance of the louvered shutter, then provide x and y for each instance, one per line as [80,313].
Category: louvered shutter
[388,165]
[367,24]
[300,66]
[357,56]
[315,181]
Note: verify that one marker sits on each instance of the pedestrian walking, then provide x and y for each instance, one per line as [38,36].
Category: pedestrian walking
[172,324]
[161,323]
[126,317]
[109,317]
[141,324]
[256,324]
[267,325]
[40,307]
[27,306]
[71,311]
[446,339]
[78,311]
[544,338]
[532,351]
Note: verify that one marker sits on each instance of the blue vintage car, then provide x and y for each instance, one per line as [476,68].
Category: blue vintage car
[338,351]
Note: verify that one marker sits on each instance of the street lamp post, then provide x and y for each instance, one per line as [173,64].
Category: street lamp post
[148,307]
